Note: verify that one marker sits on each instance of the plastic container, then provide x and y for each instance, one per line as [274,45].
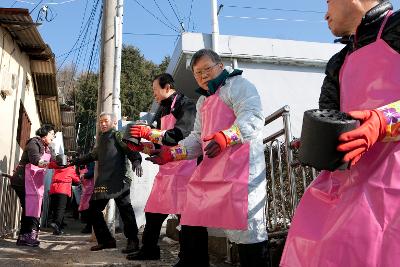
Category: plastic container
[319,138]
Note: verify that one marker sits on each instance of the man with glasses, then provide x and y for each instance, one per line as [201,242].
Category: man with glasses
[227,190]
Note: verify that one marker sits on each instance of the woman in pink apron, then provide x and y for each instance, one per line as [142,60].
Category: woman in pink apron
[227,189]
[28,183]
[351,218]
[168,195]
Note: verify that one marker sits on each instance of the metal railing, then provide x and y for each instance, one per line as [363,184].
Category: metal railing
[10,210]
[286,178]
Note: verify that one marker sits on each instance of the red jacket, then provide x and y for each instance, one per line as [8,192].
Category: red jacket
[62,180]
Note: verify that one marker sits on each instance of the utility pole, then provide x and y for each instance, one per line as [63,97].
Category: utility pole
[116,102]
[105,93]
[215,26]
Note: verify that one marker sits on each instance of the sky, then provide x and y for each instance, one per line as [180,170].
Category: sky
[154,25]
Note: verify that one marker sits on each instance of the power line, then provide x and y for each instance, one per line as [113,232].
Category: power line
[277,9]
[151,34]
[35,7]
[61,3]
[80,34]
[190,13]
[49,3]
[162,13]
[177,9]
[154,16]
[274,19]
[180,23]
[83,45]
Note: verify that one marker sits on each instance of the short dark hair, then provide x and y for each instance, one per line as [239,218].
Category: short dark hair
[204,52]
[164,79]
[44,130]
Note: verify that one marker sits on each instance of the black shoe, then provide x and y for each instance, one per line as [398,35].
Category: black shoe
[87,229]
[107,245]
[131,246]
[143,255]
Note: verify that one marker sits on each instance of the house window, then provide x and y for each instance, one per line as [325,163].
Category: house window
[24,127]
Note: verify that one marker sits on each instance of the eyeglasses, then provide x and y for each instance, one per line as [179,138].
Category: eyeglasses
[204,71]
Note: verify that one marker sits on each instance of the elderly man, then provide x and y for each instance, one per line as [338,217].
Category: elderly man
[350,218]
[227,190]
[113,182]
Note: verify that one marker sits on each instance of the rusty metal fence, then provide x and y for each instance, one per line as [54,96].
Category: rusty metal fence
[286,178]
[10,210]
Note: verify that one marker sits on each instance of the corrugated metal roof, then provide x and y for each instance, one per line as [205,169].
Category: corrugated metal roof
[21,26]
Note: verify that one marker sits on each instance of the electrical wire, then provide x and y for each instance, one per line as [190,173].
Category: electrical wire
[276,9]
[36,6]
[151,34]
[49,3]
[180,23]
[154,16]
[275,19]
[162,13]
[190,13]
[80,34]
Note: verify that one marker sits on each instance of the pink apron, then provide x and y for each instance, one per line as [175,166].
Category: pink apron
[217,194]
[351,218]
[87,191]
[168,194]
[34,187]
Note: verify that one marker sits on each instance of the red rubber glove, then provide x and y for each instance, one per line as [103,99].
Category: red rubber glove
[161,156]
[140,131]
[356,142]
[133,147]
[217,144]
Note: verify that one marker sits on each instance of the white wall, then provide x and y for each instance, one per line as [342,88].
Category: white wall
[14,61]
[280,85]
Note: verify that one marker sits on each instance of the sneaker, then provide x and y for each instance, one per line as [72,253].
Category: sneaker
[111,244]
[144,254]
[131,246]
[56,229]
[27,239]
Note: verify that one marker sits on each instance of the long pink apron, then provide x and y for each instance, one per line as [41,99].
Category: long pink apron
[87,191]
[34,187]
[217,193]
[168,194]
[352,218]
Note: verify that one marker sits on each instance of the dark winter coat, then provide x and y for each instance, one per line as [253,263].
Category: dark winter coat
[184,112]
[367,33]
[114,168]
[34,150]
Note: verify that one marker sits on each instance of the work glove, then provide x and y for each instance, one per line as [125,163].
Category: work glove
[137,168]
[145,132]
[221,140]
[358,141]
[145,147]
[167,154]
